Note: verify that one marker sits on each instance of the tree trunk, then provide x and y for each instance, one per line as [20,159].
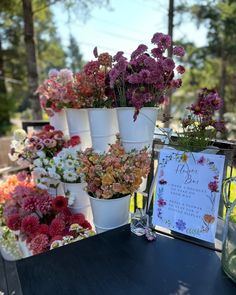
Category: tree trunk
[31,59]
[5,112]
[170,33]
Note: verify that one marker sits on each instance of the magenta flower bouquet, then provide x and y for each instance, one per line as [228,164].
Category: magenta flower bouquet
[144,80]
[200,127]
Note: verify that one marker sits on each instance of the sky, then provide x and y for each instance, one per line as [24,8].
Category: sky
[123,27]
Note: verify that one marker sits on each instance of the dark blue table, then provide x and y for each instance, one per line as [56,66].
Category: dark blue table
[119,263]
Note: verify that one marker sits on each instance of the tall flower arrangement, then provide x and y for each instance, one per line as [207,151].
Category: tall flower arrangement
[144,79]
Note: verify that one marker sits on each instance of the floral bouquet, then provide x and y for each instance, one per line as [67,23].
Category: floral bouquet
[116,173]
[90,85]
[53,90]
[144,80]
[40,219]
[200,127]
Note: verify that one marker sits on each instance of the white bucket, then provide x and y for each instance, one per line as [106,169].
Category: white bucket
[81,202]
[55,188]
[104,127]
[7,255]
[136,134]
[110,213]
[78,124]
[59,122]
[24,249]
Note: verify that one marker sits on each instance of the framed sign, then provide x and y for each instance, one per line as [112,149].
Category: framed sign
[188,189]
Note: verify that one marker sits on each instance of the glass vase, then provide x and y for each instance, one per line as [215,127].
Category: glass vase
[139,222]
[229,237]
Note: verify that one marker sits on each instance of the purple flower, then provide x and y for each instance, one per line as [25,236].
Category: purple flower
[214,100]
[219,126]
[168,64]
[134,79]
[178,51]
[161,40]
[161,202]
[141,49]
[180,69]
[176,83]
[157,52]
[180,224]
[113,75]
[53,73]
[201,160]
[118,55]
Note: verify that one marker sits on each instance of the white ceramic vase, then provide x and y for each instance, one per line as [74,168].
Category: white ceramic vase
[110,213]
[78,124]
[59,122]
[78,199]
[136,134]
[103,127]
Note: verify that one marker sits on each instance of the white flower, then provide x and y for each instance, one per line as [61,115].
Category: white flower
[52,173]
[45,161]
[13,158]
[40,171]
[41,154]
[41,185]
[20,134]
[17,145]
[70,176]
[69,164]
[56,244]
[38,163]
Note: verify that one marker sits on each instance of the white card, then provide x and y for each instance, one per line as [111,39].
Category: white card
[188,190]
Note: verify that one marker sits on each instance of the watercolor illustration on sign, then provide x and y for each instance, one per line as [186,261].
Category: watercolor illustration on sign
[188,192]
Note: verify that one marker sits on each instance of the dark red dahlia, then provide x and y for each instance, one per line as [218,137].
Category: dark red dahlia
[59,203]
[14,222]
[56,227]
[30,224]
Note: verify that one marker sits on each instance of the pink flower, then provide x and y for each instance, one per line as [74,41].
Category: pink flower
[39,243]
[53,73]
[29,204]
[21,176]
[161,202]
[56,227]
[91,68]
[14,222]
[43,203]
[30,224]
[178,51]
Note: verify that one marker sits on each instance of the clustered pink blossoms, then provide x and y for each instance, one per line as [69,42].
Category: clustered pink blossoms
[113,82]
[145,78]
[40,218]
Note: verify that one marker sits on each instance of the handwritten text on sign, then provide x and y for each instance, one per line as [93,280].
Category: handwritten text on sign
[188,193]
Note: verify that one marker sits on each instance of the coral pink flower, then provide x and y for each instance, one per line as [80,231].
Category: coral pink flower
[39,243]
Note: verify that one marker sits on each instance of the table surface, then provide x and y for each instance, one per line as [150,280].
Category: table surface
[119,263]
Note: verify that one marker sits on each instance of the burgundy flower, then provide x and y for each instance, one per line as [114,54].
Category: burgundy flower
[168,64]
[213,186]
[86,225]
[14,222]
[180,69]
[56,238]
[56,227]
[161,202]
[43,229]
[39,244]
[178,51]
[30,224]
[29,204]
[59,203]
[77,218]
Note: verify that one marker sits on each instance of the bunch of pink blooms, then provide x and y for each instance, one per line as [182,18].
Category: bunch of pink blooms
[53,90]
[145,78]
[48,142]
[40,218]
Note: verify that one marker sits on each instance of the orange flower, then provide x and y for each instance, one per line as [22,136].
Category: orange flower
[209,218]
[107,179]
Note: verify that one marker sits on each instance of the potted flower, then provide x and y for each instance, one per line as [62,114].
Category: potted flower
[39,219]
[67,166]
[141,84]
[200,127]
[102,115]
[111,178]
[52,97]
